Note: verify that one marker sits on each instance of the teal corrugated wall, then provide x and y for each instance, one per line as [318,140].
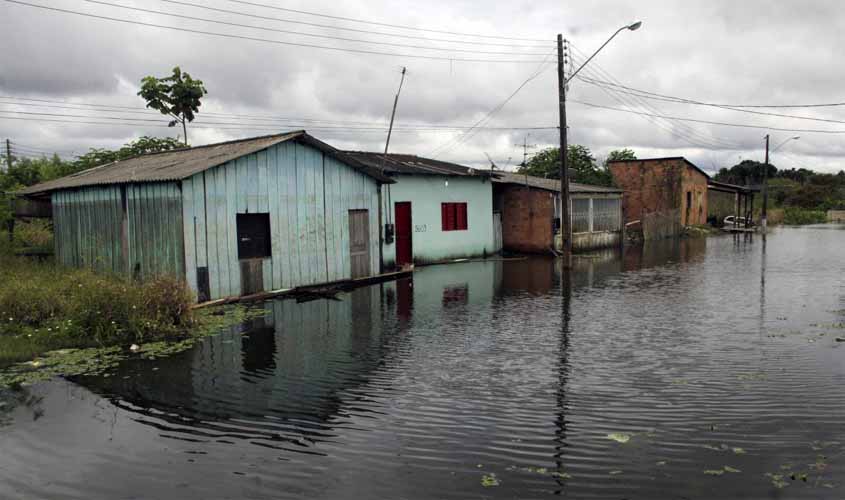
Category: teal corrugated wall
[128,229]
[307,195]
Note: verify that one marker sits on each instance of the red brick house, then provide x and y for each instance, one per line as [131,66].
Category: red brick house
[529,209]
[671,188]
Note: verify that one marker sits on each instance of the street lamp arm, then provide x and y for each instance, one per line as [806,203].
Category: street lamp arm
[596,52]
[784,142]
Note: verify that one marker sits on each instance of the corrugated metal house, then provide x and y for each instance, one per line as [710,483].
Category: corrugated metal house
[530,214]
[233,218]
[439,210]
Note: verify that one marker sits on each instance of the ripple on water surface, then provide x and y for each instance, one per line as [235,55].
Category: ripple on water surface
[693,369]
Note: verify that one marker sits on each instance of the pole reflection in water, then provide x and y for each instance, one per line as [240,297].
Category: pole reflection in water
[563,376]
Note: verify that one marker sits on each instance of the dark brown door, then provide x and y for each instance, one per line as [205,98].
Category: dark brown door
[359,243]
[404,247]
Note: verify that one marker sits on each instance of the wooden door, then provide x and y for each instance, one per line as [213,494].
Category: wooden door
[359,243]
[404,243]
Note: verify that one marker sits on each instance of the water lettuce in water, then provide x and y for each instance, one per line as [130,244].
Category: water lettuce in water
[619,438]
[488,480]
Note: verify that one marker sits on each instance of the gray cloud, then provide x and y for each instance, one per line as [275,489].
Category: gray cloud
[719,51]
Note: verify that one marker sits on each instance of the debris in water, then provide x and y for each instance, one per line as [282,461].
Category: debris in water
[661,463]
[134,348]
[615,472]
[728,468]
[619,438]
[714,472]
[738,450]
[488,480]
[840,339]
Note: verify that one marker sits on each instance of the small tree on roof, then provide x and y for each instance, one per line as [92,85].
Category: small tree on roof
[177,96]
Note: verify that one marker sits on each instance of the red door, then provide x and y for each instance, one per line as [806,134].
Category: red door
[404,252]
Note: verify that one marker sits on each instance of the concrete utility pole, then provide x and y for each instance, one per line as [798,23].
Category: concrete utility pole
[8,155]
[393,115]
[565,220]
[765,188]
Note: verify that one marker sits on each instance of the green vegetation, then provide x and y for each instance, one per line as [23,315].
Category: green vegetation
[28,171]
[580,161]
[44,307]
[803,195]
[177,96]
[798,216]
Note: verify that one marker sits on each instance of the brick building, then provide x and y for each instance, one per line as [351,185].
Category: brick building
[673,189]
[529,209]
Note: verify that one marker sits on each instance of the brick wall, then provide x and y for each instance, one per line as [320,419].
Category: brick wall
[661,185]
[526,219]
[694,197]
[649,186]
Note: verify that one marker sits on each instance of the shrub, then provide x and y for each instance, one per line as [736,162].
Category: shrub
[43,305]
[800,216]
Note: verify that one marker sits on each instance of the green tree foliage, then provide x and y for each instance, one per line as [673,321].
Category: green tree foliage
[580,161]
[798,188]
[28,171]
[177,96]
[620,154]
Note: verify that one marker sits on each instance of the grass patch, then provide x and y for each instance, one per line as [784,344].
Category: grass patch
[45,307]
[799,216]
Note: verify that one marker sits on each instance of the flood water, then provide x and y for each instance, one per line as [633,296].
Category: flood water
[715,359]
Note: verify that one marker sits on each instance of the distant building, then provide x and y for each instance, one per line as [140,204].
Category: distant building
[529,209]
[438,210]
[233,218]
[664,194]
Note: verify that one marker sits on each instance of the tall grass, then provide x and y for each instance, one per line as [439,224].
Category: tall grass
[799,216]
[44,306]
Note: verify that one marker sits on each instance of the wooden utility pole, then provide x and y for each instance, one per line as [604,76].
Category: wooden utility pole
[765,188]
[8,155]
[565,221]
[393,115]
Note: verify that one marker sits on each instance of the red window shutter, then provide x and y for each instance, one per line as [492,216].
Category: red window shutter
[461,216]
[451,223]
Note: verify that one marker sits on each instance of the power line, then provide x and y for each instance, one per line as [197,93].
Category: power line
[236,126]
[468,133]
[647,95]
[374,23]
[329,37]
[725,124]
[266,40]
[692,101]
[679,130]
[353,30]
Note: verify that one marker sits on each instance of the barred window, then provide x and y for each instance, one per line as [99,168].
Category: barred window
[580,215]
[607,215]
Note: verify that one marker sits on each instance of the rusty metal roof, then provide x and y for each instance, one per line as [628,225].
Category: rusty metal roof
[551,184]
[412,164]
[182,163]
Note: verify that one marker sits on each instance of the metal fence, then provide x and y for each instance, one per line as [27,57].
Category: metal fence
[596,214]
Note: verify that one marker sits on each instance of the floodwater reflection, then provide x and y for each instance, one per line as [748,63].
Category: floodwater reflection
[693,355]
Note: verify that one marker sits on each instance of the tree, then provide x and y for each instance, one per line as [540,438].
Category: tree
[579,160]
[620,154]
[745,173]
[143,145]
[177,96]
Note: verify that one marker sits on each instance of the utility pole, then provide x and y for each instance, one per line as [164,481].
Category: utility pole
[565,222]
[392,116]
[765,188]
[8,155]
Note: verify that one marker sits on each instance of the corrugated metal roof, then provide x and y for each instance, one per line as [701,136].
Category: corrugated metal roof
[412,164]
[551,184]
[182,163]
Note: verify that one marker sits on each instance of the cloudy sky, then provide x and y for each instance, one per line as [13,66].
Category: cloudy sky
[68,82]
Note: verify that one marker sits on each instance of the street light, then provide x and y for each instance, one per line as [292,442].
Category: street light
[566,222]
[766,179]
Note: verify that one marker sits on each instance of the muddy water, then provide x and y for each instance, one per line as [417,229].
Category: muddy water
[699,369]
